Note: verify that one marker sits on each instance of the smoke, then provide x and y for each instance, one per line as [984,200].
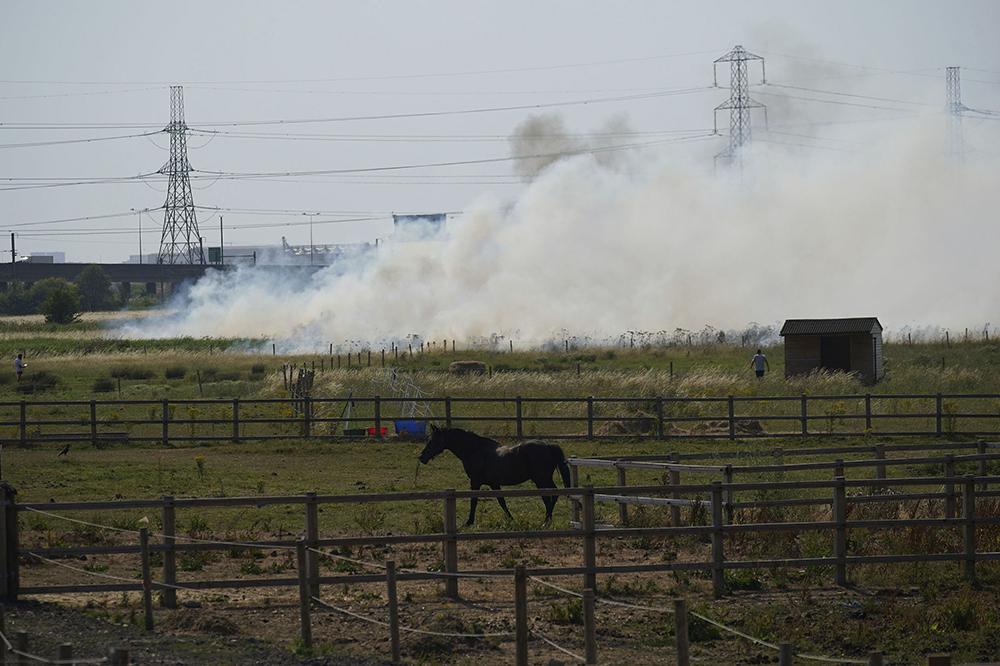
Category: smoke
[893,229]
[546,135]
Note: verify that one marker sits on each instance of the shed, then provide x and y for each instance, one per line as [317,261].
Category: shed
[852,344]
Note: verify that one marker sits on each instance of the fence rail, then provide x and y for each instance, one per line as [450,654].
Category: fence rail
[962,499]
[658,417]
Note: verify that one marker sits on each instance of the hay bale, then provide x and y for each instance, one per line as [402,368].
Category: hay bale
[467,368]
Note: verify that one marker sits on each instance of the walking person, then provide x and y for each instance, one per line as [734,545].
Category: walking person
[19,366]
[759,363]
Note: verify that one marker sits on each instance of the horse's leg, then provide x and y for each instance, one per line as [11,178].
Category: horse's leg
[502,502]
[475,485]
[548,500]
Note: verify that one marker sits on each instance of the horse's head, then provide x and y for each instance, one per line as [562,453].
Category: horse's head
[435,444]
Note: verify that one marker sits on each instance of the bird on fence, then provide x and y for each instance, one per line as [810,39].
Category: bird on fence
[64,451]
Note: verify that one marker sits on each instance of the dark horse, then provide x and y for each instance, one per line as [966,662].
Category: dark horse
[487,463]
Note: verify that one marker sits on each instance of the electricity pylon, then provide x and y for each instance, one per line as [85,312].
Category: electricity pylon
[179,243]
[739,102]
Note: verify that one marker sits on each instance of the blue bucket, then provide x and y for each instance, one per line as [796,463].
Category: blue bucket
[411,428]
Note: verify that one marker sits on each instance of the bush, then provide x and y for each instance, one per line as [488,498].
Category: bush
[36,381]
[61,304]
[175,372]
[103,385]
[124,372]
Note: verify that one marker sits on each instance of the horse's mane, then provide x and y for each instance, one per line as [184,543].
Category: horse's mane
[460,436]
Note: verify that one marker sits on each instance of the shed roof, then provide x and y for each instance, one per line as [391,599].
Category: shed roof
[843,326]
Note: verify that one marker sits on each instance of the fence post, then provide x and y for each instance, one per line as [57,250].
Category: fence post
[804,415]
[939,660]
[681,632]
[880,468]
[675,480]
[451,544]
[718,556]
[868,411]
[518,417]
[589,539]
[21,645]
[4,561]
[304,600]
[875,659]
[590,417]
[306,417]
[93,423]
[589,627]
[574,481]
[378,417]
[9,546]
[168,597]
[732,418]
[521,615]
[622,507]
[236,420]
[840,530]
[312,541]
[937,415]
[785,654]
[23,423]
[65,653]
[147,581]
[838,468]
[949,486]
[981,468]
[447,412]
[3,630]
[969,527]
[659,417]
[727,476]
[166,422]
[390,581]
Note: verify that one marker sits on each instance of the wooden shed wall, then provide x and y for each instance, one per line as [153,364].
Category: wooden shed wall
[863,356]
[802,354]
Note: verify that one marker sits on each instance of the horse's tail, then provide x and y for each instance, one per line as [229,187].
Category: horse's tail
[563,468]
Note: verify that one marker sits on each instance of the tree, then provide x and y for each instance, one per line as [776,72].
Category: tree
[94,288]
[61,305]
[16,300]
[41,290]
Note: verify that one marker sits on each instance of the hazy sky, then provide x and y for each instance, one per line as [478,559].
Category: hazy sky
[80,63]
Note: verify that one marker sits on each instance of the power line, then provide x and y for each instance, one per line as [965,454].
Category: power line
[838,63]
[84,218]
[491,160]
[233,175]
[432,138]
[34,144]
[830,101]
[844,94]
[387,116]
[82,94]
[386,77]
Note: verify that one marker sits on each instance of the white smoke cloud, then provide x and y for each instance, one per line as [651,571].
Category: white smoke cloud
[896,230]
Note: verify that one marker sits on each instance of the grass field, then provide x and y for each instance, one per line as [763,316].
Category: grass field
[906,610]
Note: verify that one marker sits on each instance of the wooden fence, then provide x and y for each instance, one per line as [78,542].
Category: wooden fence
[663,418]
[961,497]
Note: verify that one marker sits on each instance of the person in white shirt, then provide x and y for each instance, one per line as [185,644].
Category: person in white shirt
[19,366]
[759,363]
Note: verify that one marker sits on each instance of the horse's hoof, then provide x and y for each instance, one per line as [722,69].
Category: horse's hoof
[468,523]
